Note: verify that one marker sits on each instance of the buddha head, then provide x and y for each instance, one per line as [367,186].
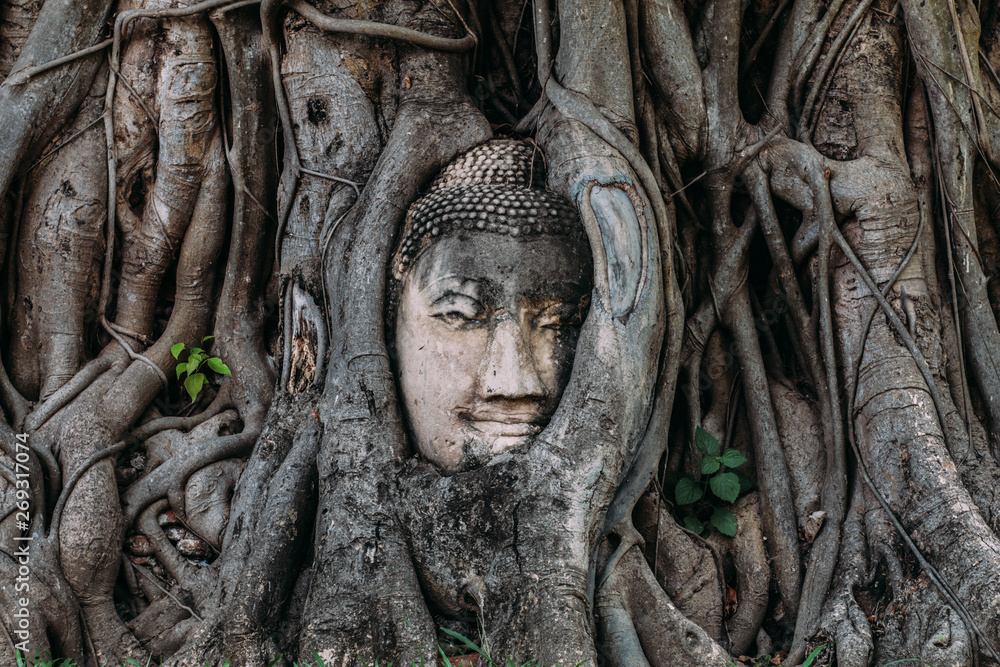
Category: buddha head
[491,284]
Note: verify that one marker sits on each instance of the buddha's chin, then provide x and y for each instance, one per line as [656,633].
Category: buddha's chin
[509,443]
[484,442]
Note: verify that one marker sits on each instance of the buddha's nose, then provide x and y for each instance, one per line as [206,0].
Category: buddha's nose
[509,368]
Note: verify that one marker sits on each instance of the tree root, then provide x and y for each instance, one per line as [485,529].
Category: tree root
[66,393]
[578,107]
[207,498]
[386,30]
[154,626]
[167,444]
[688,569]
[11,399]
[71,483]
[843,620]
[802,441]
[666,636]
[54,95]
[221,402]
[753,575]
[59,607]
[250,611]
[281,466]
[175,471]
[86,543]
[240,321]
[618,641]
[197,581]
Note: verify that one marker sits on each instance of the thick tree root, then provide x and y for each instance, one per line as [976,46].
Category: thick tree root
[175,472]
[687,568]
[666,636]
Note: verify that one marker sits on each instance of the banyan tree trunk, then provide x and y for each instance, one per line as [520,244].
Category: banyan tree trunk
[792,211]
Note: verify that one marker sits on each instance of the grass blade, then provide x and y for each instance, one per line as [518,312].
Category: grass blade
[812,656]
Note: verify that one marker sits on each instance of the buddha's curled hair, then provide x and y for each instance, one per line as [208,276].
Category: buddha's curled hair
[496,187]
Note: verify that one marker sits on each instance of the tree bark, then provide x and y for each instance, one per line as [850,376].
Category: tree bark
[791,208]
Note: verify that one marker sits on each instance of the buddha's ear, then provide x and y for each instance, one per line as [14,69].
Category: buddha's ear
[620,259]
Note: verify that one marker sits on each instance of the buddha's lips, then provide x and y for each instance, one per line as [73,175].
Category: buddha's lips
[506,424]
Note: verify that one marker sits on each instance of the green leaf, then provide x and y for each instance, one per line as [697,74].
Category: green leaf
[196,350]
[204,338]
[709,465]
[726,486]
[688,491]
[692,524]
[812,656]
[465,640]
[194,361]
[732,458]
[176,350]
[216,365]
[706,442]
[724,521]
[181,369]
[193,385]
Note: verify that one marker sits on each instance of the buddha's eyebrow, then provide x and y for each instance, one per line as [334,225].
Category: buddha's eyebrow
[452,282]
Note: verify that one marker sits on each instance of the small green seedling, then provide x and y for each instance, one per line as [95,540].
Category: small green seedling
[192,367]
[718,477]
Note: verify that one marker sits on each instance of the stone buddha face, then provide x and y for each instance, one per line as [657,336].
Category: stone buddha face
[486,325]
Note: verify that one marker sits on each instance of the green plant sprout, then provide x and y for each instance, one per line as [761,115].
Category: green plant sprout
[192,367]
[812,656]
[766,660]
[719,477]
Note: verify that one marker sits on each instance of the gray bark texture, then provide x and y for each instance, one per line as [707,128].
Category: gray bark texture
[794,215]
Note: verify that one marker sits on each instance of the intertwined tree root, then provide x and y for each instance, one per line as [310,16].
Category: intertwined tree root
[810,187]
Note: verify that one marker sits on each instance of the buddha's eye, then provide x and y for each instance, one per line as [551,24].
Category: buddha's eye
[558,316]
[458,310]
[553,322]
